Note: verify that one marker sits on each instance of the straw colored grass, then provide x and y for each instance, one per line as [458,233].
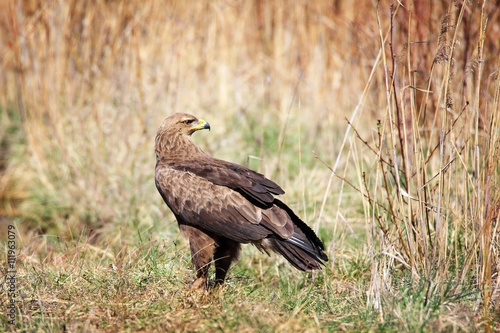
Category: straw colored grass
[380,121]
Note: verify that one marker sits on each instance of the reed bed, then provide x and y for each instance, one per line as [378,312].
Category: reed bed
[379,119]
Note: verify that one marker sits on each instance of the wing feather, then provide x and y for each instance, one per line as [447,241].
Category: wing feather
[254,186]
[198,202]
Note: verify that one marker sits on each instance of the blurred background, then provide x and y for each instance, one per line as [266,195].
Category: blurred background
[84,86]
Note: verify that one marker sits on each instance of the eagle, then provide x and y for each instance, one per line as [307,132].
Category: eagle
[220,205]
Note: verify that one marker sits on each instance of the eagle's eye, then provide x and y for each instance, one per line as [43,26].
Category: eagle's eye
[187,121]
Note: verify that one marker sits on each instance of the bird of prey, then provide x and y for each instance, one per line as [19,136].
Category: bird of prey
[219,205]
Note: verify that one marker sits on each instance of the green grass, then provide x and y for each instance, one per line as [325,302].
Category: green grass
[84,86]
[75,286]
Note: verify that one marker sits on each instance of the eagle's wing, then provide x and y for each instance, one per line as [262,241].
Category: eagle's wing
[254,186]
[200,202]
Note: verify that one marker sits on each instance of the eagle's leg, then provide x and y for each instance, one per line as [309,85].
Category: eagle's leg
[226,252]
[202,250]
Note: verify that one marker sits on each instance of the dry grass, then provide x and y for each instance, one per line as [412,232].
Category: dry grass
[408,205]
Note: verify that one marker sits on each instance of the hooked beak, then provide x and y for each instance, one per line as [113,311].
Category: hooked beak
[199,125]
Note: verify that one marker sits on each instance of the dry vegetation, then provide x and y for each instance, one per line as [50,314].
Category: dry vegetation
[380,120]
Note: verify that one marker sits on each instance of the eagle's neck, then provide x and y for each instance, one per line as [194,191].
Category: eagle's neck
[171,147]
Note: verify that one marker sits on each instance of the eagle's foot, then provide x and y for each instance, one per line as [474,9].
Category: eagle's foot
[199,284]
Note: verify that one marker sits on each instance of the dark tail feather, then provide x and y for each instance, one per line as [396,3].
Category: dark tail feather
[303,236]
[304,250]
[298,257]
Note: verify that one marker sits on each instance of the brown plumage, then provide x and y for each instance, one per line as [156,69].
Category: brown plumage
[219,205]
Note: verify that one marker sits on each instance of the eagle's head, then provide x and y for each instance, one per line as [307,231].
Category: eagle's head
[182,123]
[172,139]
